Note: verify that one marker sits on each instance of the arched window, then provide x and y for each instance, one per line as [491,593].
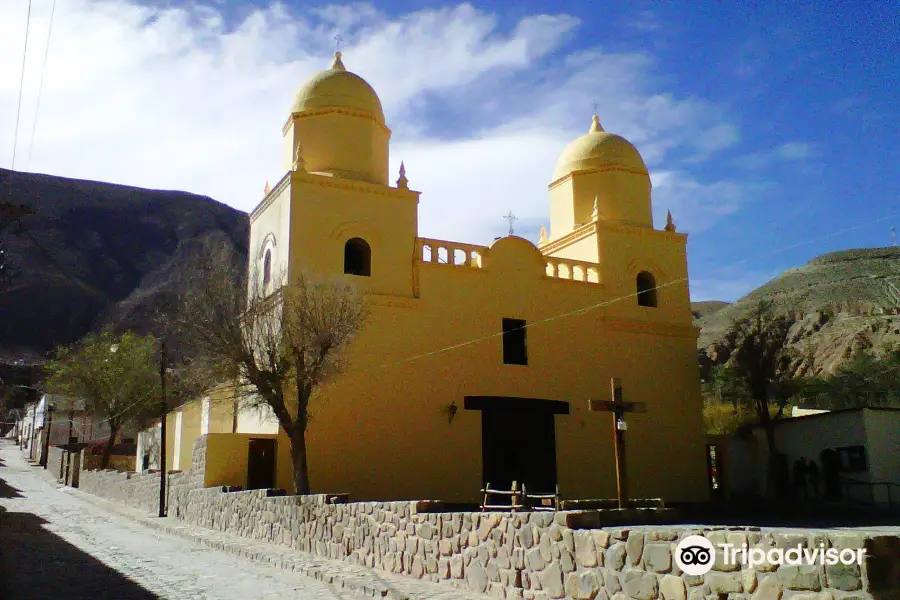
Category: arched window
[267,270]
[357,257]
[646,289]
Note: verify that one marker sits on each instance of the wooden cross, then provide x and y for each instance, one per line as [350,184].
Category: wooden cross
[619,407]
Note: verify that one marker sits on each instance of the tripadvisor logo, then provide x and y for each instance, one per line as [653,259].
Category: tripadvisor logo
[695,555]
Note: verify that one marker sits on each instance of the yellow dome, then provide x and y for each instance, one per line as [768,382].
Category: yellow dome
[338,88]
[598,149]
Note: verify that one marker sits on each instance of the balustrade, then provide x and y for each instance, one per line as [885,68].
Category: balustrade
[573,270]
[456,254]
[450,253]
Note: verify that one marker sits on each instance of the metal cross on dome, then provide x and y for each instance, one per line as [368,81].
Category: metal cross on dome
[337,42]
[594,106]
[511,218]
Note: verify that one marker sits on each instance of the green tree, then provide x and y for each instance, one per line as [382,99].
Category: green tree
[116,374]
[867,380]
[759,363]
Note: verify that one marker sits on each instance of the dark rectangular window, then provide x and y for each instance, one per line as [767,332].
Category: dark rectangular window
[515,351]
[852,459]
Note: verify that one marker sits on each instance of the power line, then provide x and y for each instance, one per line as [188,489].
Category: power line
[40,86]
[632,295]
[21,87]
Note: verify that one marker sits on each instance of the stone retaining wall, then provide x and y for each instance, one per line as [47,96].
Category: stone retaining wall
[516,556]
[141,490]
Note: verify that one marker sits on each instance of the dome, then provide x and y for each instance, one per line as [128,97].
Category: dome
[338,88]
[599,149]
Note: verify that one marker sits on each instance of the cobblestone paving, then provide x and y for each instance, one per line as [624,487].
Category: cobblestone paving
[53,544]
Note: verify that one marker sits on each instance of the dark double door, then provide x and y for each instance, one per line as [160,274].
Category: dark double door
[519,445]
[261,464]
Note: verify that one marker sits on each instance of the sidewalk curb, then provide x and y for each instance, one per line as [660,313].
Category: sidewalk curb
[369,582]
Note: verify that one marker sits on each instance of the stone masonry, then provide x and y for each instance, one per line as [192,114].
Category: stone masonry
[514,555]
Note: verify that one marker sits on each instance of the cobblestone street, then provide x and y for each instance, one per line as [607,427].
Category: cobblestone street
[56,545]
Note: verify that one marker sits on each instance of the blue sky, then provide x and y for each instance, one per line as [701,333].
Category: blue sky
[763,127]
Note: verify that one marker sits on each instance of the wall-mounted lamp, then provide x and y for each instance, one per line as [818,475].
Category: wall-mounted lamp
[451,411]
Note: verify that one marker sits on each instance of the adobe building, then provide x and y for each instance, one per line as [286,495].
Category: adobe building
[478,363]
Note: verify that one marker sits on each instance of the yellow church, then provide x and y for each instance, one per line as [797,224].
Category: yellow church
[478,363]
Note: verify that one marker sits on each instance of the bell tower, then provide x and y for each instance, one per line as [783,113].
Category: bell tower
[338,122]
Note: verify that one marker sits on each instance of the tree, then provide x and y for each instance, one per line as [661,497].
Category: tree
[115,374]
[759,362]
[278,349]
[866,380]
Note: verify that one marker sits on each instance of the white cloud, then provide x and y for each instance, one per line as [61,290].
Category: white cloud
[794,150]
[179,98]
[786,152]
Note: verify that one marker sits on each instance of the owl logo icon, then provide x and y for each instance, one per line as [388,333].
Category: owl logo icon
[695,555]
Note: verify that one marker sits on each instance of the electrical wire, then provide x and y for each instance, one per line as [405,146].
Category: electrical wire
[19,104]
[634,294]
[40,86]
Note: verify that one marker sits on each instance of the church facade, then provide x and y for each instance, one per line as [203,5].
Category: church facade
[478,363]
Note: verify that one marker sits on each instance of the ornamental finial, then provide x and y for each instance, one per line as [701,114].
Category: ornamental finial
[402,182]
[267,189]
[543,239]
[670,225]
[595,214]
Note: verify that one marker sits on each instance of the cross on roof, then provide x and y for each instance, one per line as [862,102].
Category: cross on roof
[337,42]
[511,218]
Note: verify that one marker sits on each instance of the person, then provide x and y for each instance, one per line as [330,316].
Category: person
[800,478]
[813,472]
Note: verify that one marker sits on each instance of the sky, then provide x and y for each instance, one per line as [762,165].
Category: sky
[771,130]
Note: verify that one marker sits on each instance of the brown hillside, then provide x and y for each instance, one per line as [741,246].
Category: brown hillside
[843,302]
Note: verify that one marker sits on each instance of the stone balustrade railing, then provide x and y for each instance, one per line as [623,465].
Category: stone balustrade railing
[573,270]
[450,253]
[470,255]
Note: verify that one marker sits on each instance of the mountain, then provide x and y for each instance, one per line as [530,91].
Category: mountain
[705,307]
[95,254]
[842,303]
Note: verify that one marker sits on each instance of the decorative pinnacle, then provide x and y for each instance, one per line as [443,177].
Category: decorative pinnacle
[267,189]
[402,182]
[595,125]
[299,163]
[543,239]
[595,214]
[670,225]
[338,64]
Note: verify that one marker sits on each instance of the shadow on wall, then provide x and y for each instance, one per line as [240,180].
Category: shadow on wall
[37,564]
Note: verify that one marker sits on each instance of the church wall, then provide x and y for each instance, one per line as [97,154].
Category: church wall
[327,216]
[270,228]
[257,420]
[625,252]
[381,430]
[585,249]
[352,146]
[562,209]
[620,195]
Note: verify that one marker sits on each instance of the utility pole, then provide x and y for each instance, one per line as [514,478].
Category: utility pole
[45,455]
[162,430]
[33,423]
